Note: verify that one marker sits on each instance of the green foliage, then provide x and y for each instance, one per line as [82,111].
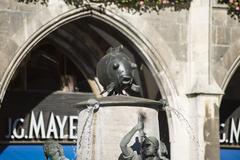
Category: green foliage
[137,5]
[145,5]
[43,2]
[151,4]
[233,7]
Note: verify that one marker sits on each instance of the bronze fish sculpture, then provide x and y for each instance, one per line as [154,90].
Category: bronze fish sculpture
[115,72]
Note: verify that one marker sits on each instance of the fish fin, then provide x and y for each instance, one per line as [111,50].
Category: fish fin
[135,88]
[109,89]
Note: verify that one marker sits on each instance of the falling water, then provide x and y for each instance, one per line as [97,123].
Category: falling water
[185,122]
[84,135]
[74,150]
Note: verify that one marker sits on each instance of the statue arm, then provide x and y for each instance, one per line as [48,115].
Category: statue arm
[127,151]
[126,139]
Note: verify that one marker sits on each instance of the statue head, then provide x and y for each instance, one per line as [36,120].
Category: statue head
[150,146]
[53,150]
[116,69]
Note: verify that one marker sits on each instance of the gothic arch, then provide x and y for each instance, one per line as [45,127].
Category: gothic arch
[146,50]
[231,62]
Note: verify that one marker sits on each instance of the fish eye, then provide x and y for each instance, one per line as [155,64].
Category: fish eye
[115,65]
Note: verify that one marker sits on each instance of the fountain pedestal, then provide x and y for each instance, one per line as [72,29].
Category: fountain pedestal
[108,124]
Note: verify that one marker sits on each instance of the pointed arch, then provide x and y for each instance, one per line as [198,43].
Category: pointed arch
[140,44]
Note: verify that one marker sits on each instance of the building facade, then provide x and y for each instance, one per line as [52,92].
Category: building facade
[188,57]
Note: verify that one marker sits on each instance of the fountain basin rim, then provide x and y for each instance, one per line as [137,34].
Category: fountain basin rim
[128,101]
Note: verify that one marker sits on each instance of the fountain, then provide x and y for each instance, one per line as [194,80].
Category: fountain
[106,122]
[117,126]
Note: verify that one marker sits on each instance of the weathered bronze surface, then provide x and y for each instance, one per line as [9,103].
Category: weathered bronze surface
[53,151]
[115,72]
[148,147]
[125,101]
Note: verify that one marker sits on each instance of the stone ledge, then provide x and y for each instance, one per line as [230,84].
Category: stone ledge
[220,6]
[205,90]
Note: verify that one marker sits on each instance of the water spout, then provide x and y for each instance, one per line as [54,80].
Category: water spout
[85,131]
[99,135]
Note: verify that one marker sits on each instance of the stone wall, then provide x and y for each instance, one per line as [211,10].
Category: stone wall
[225,44]
[165,33]
[176,46]
[13,16]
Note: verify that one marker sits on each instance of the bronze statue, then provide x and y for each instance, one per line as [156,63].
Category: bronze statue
[149,146]
[53,151]
[115,72]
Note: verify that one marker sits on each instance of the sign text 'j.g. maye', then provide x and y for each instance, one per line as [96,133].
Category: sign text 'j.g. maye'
[57,127]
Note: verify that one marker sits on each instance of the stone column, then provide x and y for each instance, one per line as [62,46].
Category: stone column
[203,92]
[204,117]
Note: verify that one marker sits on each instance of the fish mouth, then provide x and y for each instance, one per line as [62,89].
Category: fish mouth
[126,80]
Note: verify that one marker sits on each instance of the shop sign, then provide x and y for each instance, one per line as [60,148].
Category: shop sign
[33,117]
[230,131]
[57,127]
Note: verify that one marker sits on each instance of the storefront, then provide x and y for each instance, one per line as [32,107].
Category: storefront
[40,105]
[230,120]
[32,118]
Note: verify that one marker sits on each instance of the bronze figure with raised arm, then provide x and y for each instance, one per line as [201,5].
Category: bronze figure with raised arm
[149,145]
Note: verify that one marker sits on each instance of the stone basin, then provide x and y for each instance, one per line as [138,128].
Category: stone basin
[114,118]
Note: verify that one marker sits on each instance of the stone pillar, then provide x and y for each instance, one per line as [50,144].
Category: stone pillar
[199,45]
[203,92]
[204,117]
